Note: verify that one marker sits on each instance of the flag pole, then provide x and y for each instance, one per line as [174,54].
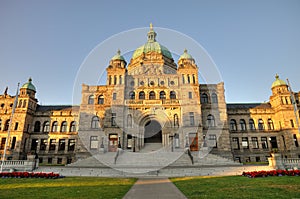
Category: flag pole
[9,127]
[294,105]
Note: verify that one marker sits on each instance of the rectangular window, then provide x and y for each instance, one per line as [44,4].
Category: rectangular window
[43,144]
[264,142]
[235,143]
[59,160]
[114,96]
[40,160]
[292,123]
[49,160]
[52,145]
[113,119]
[254,142]
[212,140]
[3,140]
[94,142]
[13,143]
[34,144]
[245,143]
[16,126]
[183,79]
[295,140]
[192,120]
[71,145]
[61,144]
[69,160]
[190,95]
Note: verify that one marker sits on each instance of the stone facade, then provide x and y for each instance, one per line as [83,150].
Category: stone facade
[150,100]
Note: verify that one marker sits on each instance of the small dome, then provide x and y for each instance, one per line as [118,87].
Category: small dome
[186,55]
[278,82]
[152,46]
[118,56]
[29,85]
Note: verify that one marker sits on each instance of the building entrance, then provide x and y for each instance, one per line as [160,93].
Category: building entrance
[153,132]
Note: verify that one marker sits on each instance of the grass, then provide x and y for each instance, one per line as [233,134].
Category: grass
[239,187]
[69,187]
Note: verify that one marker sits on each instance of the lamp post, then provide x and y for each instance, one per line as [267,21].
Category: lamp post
[172,142]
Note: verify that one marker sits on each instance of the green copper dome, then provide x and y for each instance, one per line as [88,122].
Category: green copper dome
[185,55]
[118,56]
[152,46]
[29,85]
[278,82]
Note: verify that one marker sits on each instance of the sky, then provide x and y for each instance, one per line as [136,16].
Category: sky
[248,41]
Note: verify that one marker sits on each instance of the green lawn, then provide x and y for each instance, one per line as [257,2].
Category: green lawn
[69,187]
[239,187]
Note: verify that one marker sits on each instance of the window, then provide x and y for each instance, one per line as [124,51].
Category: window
[59,160]
[2,146]
[6,125]
[16,126]
[214,98]
[114,96]
[152,95]
[95,122]
[172,95]
[115,79]
[176,121]
[0,124]
[64,125]
[183,79]
[243,125]
[43,144]
[120,79]
[264,142]
[211,121]
[270,124]
[94,142]
[49,160]
[46,127]
[91,99]
[232,125]
[19,104]
[254,141]
[34,144]
[204,98]
[235,143]
[129,121]
[190,95]
[61,144]
[54,126]
[73,126]
[113,119]
[37,126]
[295,140]
[212,140]
[162,95]
[71,145]
[292,124]
[192,120]
[245,143]
[52,145]
[251,125]
[189,79]
[101,99]
[132,95]
[142,95]
[24,103]
[194,79]
[13,143]
[261,124]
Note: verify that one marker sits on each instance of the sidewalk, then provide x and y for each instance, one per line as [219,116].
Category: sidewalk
[149,188]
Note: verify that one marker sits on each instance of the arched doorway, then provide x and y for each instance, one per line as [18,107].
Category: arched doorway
[153,132]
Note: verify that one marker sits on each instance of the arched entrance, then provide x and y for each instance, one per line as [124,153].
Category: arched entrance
[153,132]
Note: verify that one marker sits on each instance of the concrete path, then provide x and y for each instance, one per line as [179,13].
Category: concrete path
[150,188]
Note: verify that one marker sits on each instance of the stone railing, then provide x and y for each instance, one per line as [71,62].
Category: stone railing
[152,102]
[277,162]
[19,165]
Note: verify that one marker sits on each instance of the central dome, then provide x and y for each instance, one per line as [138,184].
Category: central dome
[152,46]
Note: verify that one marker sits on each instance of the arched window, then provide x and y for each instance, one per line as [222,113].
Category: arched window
[211,121]
[6,125]
[142,95]
[152,95]
[176,121]
[243,125]
[189,79]
[194,79]
[251,125]
[232,125]
[0,124]
[24,103]
[95,122]
[214,98]
[91,99]
[73,126]
[129,121]
[172,95]
[132,95]
[54,126]
[63,127]
[37,126]
[20,104]
[162,95]
[46,127]
[270,124]
[101,99]
[261,124]
[204,98]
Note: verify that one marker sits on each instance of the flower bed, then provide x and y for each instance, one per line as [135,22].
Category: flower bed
[30,175]
[256,174]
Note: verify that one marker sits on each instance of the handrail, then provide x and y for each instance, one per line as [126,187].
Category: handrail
[190,155]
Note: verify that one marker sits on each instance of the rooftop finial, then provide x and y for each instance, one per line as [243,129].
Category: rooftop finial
[185,50]
[277,76]
[30,80]
[119,52]
[151,26]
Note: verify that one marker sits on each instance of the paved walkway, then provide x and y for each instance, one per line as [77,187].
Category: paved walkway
[150,188]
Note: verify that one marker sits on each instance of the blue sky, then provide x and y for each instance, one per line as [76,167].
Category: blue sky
[249,41]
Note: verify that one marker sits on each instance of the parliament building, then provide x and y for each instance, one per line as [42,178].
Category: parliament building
[150,100]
